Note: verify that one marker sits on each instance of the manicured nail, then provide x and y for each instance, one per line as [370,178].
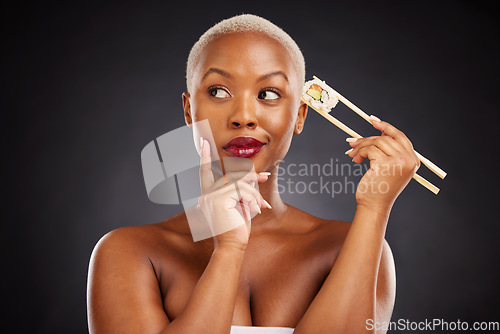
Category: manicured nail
[265,173]
[201,143]
[349,151]
[351,140]
[375,118]
[267,204]
[258,208]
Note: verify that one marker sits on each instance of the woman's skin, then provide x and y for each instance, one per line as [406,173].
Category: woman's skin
[292,269]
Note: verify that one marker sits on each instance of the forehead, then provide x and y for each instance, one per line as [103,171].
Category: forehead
[245,54]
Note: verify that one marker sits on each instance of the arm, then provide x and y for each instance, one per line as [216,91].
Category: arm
[123,290]
[124,294]
[361,284]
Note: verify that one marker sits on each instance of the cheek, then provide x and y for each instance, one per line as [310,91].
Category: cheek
[283,122]
[281,130]
[197,109]
[280,126]
[201,110]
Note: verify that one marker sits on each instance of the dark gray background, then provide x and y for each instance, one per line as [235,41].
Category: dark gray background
[88,85]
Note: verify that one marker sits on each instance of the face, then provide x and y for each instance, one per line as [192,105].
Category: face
[247,87]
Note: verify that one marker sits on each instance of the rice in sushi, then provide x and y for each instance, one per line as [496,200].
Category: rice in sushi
[319,95]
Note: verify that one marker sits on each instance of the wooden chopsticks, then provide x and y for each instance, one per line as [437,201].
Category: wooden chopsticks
[438,171]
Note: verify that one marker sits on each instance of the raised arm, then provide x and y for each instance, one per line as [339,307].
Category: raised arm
[360,288]
[123,288]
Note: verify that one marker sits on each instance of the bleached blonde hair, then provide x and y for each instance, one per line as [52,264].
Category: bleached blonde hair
[245,23]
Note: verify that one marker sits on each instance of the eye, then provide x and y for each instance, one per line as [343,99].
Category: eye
[218,92]
[269,94]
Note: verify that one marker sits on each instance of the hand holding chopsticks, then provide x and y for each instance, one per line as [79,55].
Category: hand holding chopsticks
[353,134]
[438,171]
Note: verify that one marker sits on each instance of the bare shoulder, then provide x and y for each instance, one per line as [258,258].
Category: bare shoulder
[143,246]
[123,279]
[140,237]
[318,229]
[328,235]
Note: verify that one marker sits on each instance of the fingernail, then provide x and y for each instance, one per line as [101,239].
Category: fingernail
[375,118]
[201,143]
[267,204]
[351,140]
[258,208]
[265,173]
[349,151]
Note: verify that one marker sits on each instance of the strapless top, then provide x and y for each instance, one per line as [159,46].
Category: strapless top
[260,330]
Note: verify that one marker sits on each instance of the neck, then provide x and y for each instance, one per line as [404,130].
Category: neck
[269,191]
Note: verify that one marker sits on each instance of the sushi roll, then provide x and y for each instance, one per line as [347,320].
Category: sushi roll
[319,95]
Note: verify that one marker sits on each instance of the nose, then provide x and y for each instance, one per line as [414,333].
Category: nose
[244,113]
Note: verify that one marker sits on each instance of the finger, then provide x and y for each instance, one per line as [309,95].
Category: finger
[241,191]
[246,189]
[385,143]
[238,192]
[206,176]
[246,211]
[232,177]
[373,153]
[255,207]
[390,130]
[255,192]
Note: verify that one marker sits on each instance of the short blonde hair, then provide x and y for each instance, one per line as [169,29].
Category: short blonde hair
[245,23]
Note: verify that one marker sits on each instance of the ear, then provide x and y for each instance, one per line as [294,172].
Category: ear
[187,108]
[301,118]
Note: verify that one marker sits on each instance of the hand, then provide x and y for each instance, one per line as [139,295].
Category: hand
[392,165]
[230,202]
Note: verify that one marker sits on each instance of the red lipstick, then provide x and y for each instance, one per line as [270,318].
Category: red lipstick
[243,147]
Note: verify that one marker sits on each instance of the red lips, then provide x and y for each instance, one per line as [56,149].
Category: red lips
[243,147]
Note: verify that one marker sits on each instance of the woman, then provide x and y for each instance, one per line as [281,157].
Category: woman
[283,269]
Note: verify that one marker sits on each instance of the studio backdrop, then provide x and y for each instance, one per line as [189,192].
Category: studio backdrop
[89,85]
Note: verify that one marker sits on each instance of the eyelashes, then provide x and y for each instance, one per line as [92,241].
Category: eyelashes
[218,92]
[268,93]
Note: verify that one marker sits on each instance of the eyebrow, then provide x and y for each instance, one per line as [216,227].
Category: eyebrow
[267,76]
[227,75]
[216,70]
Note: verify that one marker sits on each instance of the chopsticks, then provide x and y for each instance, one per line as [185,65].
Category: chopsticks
[354,134]
[438,171]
